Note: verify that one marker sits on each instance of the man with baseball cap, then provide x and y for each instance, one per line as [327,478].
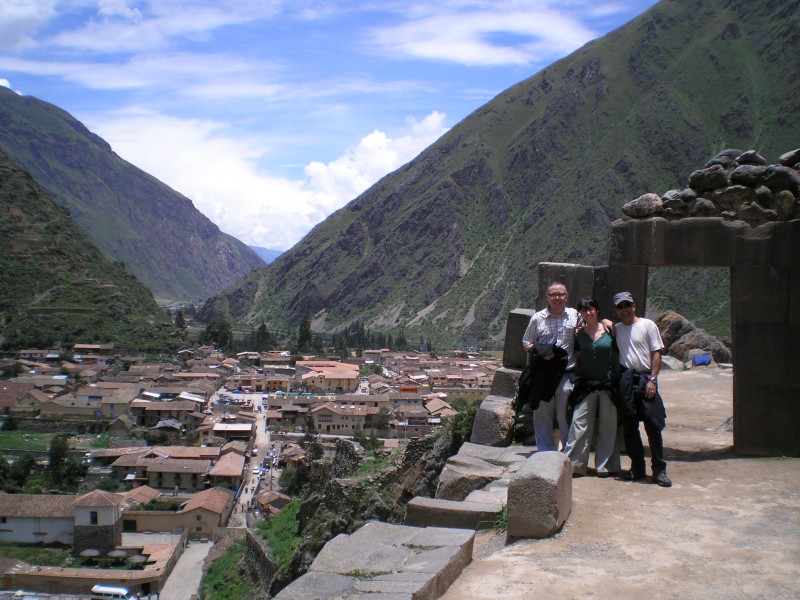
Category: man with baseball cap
[640,348]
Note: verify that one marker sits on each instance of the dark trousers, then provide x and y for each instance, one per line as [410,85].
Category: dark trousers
[633,444]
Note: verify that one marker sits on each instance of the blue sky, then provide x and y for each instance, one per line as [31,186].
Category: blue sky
[270,114]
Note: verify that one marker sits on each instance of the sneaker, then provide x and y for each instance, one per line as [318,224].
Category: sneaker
[631,475]
[662,479]
[603,474]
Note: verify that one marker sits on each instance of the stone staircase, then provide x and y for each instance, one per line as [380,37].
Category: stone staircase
[381,561]
[421,559]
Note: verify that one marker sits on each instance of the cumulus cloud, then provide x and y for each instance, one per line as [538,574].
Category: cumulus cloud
[219,172]
[20,19]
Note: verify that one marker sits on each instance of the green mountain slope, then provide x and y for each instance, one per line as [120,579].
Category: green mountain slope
[132,217]
[448,244]
[57,286]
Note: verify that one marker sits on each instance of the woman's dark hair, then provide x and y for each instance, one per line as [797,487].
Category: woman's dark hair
[587,302]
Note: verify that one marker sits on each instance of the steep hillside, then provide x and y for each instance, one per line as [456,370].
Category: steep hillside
[132,217]
[57,286]
[448,244]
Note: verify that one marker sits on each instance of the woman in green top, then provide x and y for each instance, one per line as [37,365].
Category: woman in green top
[596,374]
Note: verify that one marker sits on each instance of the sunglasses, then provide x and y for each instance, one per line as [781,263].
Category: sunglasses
[624,304]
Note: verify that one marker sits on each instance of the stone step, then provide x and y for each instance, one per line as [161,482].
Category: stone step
[466,514]
[381,561]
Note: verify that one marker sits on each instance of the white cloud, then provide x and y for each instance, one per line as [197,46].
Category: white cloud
[483,34]
[20,19]
[218,171]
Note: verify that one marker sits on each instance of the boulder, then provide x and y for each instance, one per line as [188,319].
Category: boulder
[732,197]
[712,178]
[668,363]
[751,157]
[755,214]
[779,178]
[748,174]
[540,496]
[681,335]
[786,204]
[790,159]
[644,206]
[703,341]
[494,422]
[724,158]
[704,208]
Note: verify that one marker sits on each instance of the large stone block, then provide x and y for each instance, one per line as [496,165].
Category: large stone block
[766,418]
[617,278]
[658,242]
[786,246]
[504,382]
[494,422]
[464,474]
[540,496]
[497,456]
[467,514]
[759,294]
[578,279]
[514,356]
[381,560]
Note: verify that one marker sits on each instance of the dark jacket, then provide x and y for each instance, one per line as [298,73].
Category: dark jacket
[633,403]
[539,379]
[582,387]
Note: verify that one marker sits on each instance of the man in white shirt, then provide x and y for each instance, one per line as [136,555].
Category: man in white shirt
[555,324]
[640,348]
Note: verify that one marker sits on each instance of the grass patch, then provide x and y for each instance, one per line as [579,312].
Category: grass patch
[280,533]
[374,464]
[34,555]
[224,581]
[25,440]
[501,522]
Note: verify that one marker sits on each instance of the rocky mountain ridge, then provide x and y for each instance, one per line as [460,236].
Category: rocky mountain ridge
[132,217]
[446,245]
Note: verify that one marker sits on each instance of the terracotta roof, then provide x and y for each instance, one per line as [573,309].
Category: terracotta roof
[99,498]
[346,410]
[37,506]
[169,465]
[213,500]
[142,494]
[230,464]
[188,452]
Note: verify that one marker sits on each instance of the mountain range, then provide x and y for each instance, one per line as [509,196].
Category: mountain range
[132,217]
[446,245]
[58,286]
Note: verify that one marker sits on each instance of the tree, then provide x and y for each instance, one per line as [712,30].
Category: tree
[304,338]
[383,419]
[219,333]
[57,455]
[180,321]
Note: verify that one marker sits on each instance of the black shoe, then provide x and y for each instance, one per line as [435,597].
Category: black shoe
[631,476]
[603,474]
[662,479]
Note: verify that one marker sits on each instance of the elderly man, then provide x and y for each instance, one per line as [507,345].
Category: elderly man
[554,324]
[640,348]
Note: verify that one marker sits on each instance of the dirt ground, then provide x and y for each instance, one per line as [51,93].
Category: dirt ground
[729,528]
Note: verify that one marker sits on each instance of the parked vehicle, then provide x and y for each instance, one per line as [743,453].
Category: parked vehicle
[104,592]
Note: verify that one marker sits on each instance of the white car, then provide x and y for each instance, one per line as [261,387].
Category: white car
[257,470]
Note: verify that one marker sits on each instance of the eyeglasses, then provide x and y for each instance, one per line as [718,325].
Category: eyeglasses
[556,294]
[624,304]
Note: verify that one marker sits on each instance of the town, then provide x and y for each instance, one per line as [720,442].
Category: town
[174,450]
